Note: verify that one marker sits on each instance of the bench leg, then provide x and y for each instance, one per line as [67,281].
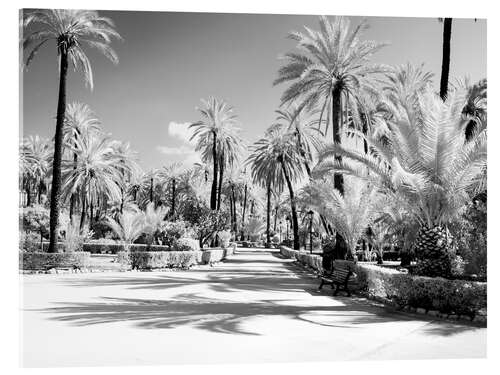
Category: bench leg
[336,289]
[321,285]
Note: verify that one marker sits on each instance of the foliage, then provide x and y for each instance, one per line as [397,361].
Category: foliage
[35,219]
[470,238]
[185,244]
[208,222]
[129,226]
[224,238]
[29,241]
[40,261]
[171,231]
[153,220]
[213,255]
[74,238]
[162,259]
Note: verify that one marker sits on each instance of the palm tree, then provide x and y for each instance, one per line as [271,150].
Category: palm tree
[427,162]
[127,165]
[79,120]
[217,139]
[35,155]
[170,177]
[445,66]
[71,29]
[277,158]
[97,172]
[153,218]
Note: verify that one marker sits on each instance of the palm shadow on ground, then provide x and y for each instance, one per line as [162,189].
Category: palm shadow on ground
[223,314]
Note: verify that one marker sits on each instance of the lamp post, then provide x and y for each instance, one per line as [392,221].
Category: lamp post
[311,215]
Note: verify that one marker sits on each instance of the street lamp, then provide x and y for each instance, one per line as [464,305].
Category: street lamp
[311,215]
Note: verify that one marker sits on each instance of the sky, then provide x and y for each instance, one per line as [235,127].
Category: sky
[170,61]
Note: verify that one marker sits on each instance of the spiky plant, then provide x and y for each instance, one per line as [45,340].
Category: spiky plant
[153,218]
[426,161]
[128,226]
[72,30]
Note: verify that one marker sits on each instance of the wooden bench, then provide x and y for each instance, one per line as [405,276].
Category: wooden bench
[339,277]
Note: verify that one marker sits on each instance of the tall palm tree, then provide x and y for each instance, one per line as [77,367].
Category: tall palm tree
[97,172]
[427,162]
[445,66]
[72,30]
[217,138]
[276,157]
[170,176]
[35,156]
[127,165]
[79,121]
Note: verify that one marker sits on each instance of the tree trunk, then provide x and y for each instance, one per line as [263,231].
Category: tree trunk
[234,208]
[72,200]
[244,211]
[173,198]
[295,221]
[341,249]
[55,196]
[28,196]
[275,218]
[231,212]
[221,177]
[151,191]
[268,216]
[213,194]
[84,207]
[445,67]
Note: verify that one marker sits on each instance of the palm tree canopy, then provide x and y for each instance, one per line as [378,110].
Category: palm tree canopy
[79,120]
[425,157]
[331,59]
[72,30]
[35,155]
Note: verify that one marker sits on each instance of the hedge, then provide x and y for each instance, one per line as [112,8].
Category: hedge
[460,297]
[184,244]
[160,259]
[40,261]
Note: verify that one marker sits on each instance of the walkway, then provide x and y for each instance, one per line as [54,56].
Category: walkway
[255,307]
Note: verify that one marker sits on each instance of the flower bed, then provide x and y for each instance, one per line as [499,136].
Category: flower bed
[44,261]
[448,297]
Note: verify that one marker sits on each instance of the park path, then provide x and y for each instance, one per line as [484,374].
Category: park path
[254,307]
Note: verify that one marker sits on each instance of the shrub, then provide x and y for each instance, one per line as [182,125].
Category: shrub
[186,244]
[171,231]
[38,260]
[102,246]
[162,259]
[29,241]
[74,239]
[35,219]
[123,257]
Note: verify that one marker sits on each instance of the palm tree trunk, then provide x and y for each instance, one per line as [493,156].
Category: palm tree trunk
[55,196]
[295,221]
[213,194]
[338,180]
[244,211]
[221,177]
[173,198]
[268,216]
[151,190]
[275,218]
[73,195]
[234,208]
[231,211]
[445,67]
[84,207]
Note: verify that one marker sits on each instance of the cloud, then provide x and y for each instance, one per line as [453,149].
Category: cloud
[184,151]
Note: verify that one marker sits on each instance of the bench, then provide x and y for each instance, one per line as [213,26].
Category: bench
[339,276]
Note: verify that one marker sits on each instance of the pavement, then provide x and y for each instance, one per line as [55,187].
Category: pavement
[254,308]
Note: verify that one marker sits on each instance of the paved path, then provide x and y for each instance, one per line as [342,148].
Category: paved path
[255,307]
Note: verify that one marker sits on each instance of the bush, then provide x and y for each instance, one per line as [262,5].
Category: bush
[162,259]
[35,219]
[39,261]
[74,239]
[447,296]
[170,232]
[102,246]
[29,241]
[186,244]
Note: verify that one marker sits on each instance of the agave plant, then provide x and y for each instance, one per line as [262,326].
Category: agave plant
[426,161]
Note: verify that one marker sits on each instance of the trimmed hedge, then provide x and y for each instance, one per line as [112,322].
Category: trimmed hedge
[44,261]
[147,260]
[460,297]
[184,244]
